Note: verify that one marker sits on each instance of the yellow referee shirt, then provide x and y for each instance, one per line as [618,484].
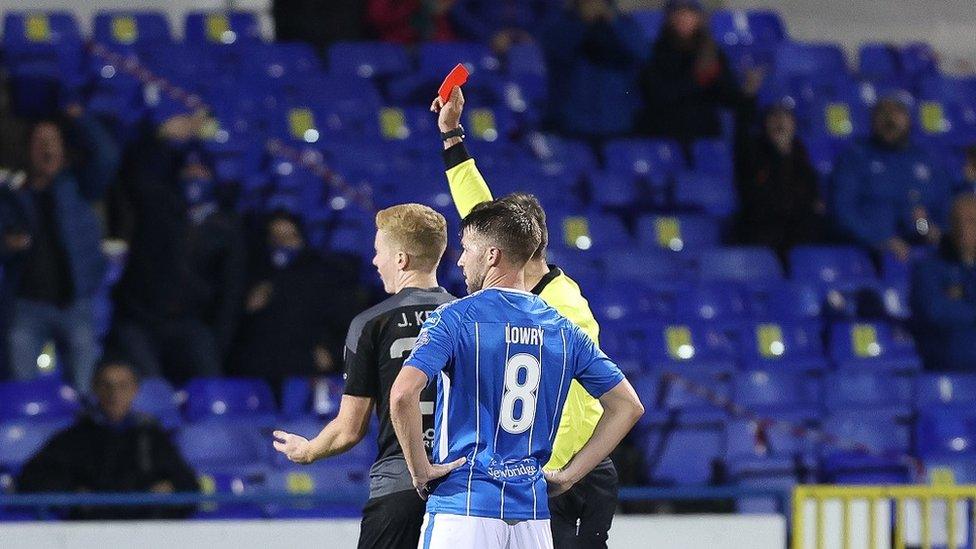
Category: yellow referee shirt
[581,412]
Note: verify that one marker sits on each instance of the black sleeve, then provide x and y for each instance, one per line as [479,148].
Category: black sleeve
[361,366]
[171,466]
[51,468]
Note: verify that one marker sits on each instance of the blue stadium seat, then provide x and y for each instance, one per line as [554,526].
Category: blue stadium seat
[625,341]
[651,158]
[670,402]
[745,264]
[678,233]
[613,190]
[232,447]
[810,60]
[945,432]
[712,156]
[44,55]
[731,28]
[347,484]
[879,431]
[286,63]
[221,27]
[630,302]
[526,58]
[649,22]
[784,299]
[872,346]
[437,59]
[157,398]
[945,389]
[368,59]
[710,301]
[783,482]
[828,265]
[41,398]
[223,482]
[777,391]
[767,26]
[641,265]
[319,396]
[599,233]
[685,456]
[20,438]
[230,398]
[919,60]
[790,346]
[839,118]
[823,152]
[685,347]
[868,390]
[879,61]
[37,30]
[131,30]
[707,193]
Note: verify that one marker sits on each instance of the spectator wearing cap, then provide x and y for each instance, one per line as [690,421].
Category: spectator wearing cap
[944,294]
[687,80]
[777,183]
[592,52]
[178,301]
[111,448]
[50,244]
[967,183]
[297,309]
[887,193]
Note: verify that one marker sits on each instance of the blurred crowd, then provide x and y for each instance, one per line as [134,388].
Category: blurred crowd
[207,291]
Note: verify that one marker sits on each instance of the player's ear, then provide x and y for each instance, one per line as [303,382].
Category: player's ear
[402,261]
[494,256]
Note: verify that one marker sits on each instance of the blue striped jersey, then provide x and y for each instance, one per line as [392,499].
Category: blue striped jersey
[502,360]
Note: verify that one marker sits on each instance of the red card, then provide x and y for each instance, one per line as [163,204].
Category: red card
[458,76]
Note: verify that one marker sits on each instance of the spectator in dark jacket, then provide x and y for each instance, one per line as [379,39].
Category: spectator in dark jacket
[592,52]
[944,295]
[111,449]
[967,183]
[297,310]
[411,21]
[889,194]
[178,302]
[777,183]
[687,80]
[51,245]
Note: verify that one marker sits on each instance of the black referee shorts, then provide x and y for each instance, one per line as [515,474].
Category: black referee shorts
[581,517]
[392,521]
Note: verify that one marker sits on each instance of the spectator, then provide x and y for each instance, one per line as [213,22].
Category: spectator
[111,449]
[318,23]
[178,301]
[501,23]
[297,310]
[777,183]
[944,295]
[968,182]
[889,194]
[51,245]
[592,52]
[687,80]
[411,21]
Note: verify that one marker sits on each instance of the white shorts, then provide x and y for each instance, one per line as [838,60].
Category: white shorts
[441,531]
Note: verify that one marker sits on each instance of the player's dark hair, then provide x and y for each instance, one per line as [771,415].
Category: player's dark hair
[507,226]
[531,205]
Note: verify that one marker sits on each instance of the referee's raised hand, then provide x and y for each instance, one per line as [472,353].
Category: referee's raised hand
[449,114]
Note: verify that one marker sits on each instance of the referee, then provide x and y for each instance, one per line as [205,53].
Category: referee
[410,240]
[582,516]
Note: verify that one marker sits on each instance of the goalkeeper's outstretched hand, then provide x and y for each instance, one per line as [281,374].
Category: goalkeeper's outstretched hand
[449,114]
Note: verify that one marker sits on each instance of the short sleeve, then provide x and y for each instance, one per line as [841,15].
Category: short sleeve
[361,366]
[593,369]
[435,344]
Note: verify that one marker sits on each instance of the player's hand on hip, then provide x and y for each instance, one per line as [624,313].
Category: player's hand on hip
[434,471]
[558,482]
[295,447]
[449,116]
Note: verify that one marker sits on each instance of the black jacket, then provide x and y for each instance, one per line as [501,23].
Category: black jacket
[675,104]
[91,456]
[178,270]
[312,302]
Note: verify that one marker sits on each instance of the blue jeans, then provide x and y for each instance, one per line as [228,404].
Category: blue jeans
[34,323]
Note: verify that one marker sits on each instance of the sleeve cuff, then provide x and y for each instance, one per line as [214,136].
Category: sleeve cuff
[455,155]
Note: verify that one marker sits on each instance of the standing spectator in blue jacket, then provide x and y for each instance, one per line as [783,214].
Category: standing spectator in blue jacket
[944,295]
[51,245]
[889,194]
[592,52]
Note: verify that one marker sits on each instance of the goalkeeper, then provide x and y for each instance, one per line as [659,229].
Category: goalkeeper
[581,517]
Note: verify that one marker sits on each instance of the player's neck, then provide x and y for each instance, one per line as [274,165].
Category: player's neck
[534,271]
[416,279]
[499,278]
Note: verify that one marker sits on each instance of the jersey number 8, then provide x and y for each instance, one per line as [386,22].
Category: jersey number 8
[524,392]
